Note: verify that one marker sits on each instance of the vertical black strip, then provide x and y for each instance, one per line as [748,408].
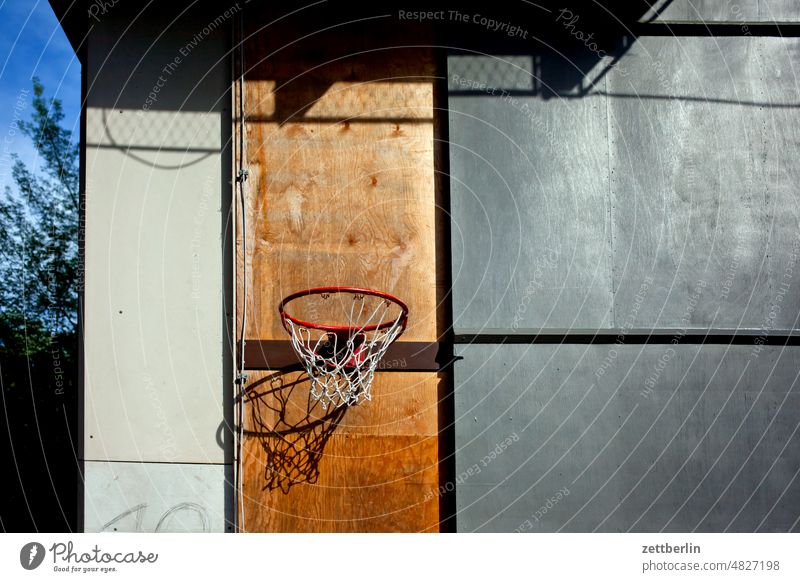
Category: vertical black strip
[441,160]
[227,186]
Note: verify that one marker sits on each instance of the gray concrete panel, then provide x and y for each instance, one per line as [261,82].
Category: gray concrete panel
[636,438]
[529,196]
[778,11]
[686,147]
[723,11]
[704,183]
[702,10]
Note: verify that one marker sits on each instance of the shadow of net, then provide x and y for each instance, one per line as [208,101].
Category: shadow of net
[291,426]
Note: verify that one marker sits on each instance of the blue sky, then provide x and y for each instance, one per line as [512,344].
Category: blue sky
[33,44]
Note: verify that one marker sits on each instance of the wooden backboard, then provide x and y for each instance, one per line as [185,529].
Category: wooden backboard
[339,130]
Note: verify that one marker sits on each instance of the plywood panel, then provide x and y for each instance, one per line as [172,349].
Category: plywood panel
[404,403]
[363,483]
[342,180]
[371,467]
[342,191]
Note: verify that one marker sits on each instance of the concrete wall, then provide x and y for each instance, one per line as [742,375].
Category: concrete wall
[676,165]
[666,438]
[723,11]
[656,193]
[157,359]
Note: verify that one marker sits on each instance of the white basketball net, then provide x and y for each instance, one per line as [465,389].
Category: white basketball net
[341,365]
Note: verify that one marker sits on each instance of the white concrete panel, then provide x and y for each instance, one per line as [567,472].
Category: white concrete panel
[192,134]
[157,363]
[154,497]
[154,281]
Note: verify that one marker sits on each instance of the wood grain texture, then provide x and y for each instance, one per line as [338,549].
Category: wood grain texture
[342,179]
[371,467]
[342,191]
[353,491]
[404,404]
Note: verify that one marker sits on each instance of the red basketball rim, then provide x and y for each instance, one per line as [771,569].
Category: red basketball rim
[342,328]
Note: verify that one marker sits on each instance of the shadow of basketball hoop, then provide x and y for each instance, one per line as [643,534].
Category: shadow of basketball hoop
[291,426]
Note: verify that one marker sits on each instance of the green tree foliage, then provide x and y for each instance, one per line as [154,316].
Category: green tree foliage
[38,319]
[39,236]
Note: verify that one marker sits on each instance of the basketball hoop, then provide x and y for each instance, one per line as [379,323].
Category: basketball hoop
[340,334]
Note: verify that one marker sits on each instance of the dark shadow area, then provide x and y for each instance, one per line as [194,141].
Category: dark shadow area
[566,47]
[314,36]
[446,396]
[38,449]
[560,50]
[291,426]
[302,57]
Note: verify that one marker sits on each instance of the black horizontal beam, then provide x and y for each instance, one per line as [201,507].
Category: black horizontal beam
[789,29]
[693,337]
[400,357]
